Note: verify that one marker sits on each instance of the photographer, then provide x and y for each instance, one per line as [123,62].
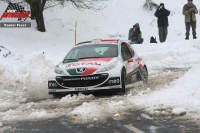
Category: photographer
[189,10]
[162,15]
[135,35]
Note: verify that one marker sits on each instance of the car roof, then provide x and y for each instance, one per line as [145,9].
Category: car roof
[99,41]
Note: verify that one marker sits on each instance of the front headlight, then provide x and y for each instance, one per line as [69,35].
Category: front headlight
[108,67]
[58,70]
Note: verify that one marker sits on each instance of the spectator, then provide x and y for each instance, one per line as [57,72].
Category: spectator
[189,10]
[162,15]
[135,35]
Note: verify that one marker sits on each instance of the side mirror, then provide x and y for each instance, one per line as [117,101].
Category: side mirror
[130,60]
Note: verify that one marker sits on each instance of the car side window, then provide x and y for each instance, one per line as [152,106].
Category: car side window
[131,50]
[125,52]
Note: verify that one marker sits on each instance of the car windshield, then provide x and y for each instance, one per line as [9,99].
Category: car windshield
[93,51]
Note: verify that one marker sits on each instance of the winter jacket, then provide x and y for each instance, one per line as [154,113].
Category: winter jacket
[186,12]
[134,35]
[162,15]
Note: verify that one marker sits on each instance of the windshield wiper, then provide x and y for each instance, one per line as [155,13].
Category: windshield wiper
[65,60]
[90,57]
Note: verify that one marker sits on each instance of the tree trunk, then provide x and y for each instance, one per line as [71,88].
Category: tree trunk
[40,21]
[33,11]
[37,8]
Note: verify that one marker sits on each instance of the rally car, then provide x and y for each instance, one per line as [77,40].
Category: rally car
[98,65]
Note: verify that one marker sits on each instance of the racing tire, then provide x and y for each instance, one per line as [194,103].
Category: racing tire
[145,77]
[123,81]
[57,95]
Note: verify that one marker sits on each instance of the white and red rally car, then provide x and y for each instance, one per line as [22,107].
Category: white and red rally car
[98,65]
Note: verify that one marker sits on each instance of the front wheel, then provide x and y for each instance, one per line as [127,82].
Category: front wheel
[123,81]
[57,95]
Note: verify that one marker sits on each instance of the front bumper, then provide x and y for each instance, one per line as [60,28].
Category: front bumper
[84,89]
[111,83]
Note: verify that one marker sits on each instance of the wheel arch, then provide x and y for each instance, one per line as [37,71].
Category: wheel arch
[123,68]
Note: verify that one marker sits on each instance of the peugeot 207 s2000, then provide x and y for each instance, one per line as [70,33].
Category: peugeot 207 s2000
[98,65]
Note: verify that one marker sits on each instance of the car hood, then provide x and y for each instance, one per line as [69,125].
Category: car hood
[85,66]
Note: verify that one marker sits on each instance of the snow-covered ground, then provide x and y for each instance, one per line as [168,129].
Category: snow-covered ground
[32,55]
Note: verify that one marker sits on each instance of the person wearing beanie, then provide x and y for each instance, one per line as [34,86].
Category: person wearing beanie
[162,15]
[135,35]
[189,10]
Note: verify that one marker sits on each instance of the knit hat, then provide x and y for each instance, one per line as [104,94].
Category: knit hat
[136,25]
[162,4]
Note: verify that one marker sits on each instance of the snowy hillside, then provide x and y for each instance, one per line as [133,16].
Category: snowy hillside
[115,19]
[31,55]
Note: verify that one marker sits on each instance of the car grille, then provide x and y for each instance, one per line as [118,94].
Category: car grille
[81,81]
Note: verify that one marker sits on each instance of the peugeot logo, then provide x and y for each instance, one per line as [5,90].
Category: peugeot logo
[80,70]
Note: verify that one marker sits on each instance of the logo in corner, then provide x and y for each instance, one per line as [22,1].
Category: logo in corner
[15,10]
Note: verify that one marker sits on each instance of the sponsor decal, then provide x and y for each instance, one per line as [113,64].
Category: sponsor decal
[113,81]
[82,78]
[90,78]
[71,79]
[83,63]
[52,85]
[81,89]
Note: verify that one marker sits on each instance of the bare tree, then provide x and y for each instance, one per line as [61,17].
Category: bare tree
[78,4]
[38,6]
[83,4]
[150,5]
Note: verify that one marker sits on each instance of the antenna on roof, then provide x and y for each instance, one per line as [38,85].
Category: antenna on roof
[75,32]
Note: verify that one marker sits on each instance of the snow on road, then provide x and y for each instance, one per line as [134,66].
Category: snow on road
[30,57]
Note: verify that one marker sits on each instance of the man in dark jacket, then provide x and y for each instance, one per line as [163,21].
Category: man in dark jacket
[135,35]
[189,10]
[162,15]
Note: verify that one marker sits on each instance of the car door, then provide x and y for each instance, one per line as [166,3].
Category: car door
[128,56]
[134,57]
